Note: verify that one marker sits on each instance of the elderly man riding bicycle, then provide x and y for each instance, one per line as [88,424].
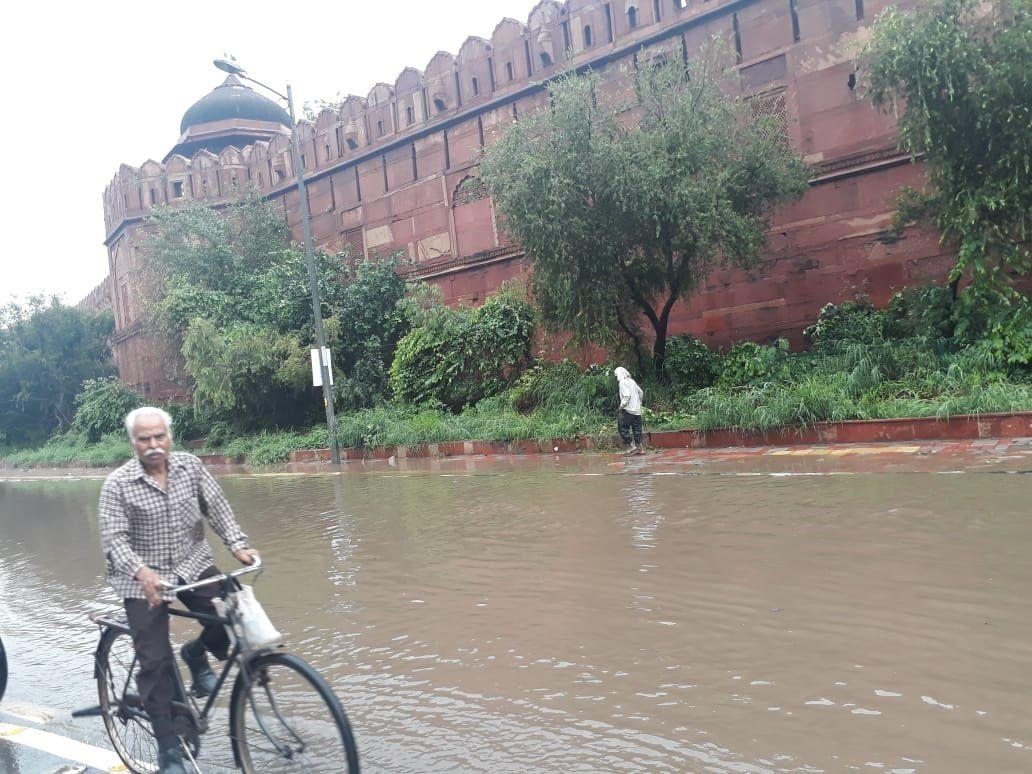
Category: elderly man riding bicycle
[152,512]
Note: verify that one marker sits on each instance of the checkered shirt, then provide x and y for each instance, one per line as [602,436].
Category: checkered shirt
[144,525]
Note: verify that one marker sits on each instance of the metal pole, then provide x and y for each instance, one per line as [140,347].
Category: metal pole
[313,279]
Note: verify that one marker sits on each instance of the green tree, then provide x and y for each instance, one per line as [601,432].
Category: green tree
[623,218]
[957,73]
[246,375]
[47,350]
[233,265]
[231,294]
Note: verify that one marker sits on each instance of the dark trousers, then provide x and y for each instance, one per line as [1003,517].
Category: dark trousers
[628,424]
[149,628]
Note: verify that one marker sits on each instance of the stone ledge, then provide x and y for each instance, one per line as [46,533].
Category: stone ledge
[963,427]
[960,427]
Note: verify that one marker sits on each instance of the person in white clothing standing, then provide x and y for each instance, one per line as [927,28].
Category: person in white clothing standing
[629,422]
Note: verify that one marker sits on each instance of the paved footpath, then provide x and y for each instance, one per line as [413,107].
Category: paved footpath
[34,740]
[1005,455]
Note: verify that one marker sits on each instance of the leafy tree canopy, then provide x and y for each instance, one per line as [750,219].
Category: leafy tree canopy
[373,323]
[957,72]
[47,349]
[624,209]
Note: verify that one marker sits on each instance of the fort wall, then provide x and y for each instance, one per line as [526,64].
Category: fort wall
[396,170]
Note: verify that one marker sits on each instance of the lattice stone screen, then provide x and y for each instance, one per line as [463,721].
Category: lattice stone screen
[471,189]
[772,106]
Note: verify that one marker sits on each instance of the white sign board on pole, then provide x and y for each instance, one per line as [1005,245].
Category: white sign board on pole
[317,366]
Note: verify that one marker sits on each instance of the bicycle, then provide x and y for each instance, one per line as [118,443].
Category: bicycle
[273,702]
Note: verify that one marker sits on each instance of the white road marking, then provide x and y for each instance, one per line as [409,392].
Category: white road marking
[62,747]
[29,712]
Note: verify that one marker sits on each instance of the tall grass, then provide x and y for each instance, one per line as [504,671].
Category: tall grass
[884,380]
[74,450]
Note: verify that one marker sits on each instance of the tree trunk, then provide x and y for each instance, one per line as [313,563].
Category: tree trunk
[659,345]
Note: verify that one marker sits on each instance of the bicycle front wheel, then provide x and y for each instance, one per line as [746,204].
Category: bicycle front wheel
[285,717]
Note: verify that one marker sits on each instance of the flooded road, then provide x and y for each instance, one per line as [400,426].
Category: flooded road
[584,616]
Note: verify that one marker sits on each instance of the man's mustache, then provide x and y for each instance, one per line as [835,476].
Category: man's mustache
[153,452]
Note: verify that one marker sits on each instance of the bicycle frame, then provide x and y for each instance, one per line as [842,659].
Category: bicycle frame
[198,715]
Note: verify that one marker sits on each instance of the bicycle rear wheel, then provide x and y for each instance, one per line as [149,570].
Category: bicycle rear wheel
[286,718]
[126,721]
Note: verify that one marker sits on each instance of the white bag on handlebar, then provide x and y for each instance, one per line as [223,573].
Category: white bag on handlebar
[252,628]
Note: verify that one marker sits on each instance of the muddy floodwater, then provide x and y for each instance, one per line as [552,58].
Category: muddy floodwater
[590,616]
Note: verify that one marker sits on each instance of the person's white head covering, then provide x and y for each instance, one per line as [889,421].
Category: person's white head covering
[621,373]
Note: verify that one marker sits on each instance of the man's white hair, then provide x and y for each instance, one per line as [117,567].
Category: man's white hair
[146,411]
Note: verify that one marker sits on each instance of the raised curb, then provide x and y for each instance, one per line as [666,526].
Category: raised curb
[960,427]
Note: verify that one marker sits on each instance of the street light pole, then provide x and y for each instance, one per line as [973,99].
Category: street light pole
[313,275]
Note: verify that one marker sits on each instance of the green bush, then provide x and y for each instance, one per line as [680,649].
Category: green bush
[458,357]
[1008,338]
[847,323]
[102,406]
[921,311]
[365,344]
[690,365]
[748,363]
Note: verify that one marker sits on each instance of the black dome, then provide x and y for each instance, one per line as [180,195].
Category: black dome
[233,100]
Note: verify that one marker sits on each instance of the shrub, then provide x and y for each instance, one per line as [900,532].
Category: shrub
[845,323]
[365,344]
[421,373]
[749,363]
[925,311]
[690,365]
[455,358]
[1008,337]
[366,383]
[102,405]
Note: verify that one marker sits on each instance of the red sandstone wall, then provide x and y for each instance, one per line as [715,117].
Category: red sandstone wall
[396,171]
[99,298]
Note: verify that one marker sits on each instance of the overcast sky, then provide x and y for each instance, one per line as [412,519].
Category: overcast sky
[89,86]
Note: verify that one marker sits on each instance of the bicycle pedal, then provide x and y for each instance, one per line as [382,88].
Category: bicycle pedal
[88,712]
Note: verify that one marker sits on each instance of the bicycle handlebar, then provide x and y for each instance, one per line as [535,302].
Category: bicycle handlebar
[254,567]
